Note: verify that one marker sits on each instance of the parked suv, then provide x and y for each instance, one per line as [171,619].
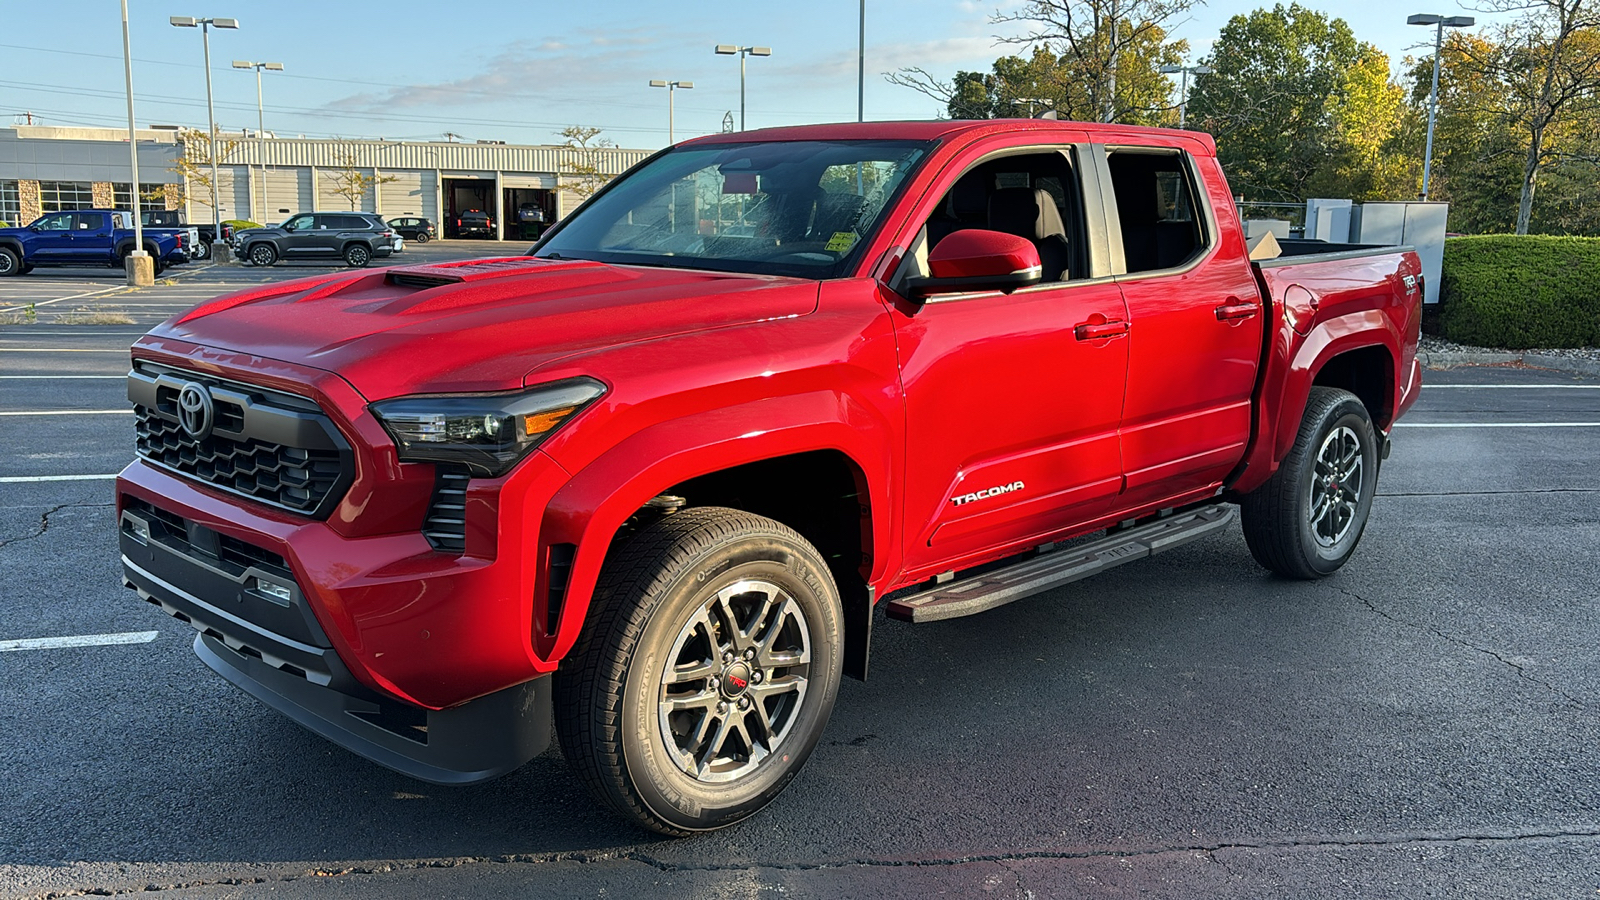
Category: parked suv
[355,237]
[414,228]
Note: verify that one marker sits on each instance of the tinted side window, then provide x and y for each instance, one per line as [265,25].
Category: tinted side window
[1159,209]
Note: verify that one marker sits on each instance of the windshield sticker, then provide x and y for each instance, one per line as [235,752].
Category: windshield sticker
[841,241]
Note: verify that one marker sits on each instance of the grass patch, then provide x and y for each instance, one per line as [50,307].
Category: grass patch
[85,315]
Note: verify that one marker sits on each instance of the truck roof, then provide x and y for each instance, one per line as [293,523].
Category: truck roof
[946,129]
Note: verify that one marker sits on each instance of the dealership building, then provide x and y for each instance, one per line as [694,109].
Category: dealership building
[266,179]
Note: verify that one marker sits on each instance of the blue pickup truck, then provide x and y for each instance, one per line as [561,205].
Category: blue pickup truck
[86,237]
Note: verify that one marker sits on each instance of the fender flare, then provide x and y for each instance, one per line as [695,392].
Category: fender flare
[1287,387]
[588,511]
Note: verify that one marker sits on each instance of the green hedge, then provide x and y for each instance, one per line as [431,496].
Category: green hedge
[1520,292]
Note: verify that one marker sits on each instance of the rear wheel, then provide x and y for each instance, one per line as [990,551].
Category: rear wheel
[10,263]
[1306,521]
[706,672]
[202,250]
[422,237]
[262,255]
[357,255]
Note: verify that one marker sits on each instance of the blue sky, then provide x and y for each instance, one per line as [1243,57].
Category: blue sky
[521,71]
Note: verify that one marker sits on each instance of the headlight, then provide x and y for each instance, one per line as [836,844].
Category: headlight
[487,433]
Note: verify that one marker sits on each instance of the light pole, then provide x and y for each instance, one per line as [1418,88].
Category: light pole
[672,88]
[1440,23]
[1183,92]
[729,50]
[861,66]
[261,124]
[211,112]
[134,265]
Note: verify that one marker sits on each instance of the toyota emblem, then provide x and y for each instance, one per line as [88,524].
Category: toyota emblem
[195,411]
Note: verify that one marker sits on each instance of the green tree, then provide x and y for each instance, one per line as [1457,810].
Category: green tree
[1369,117]
[1270,101]
[350,182]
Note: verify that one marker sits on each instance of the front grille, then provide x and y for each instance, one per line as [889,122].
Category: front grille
[446,525]
[276,448]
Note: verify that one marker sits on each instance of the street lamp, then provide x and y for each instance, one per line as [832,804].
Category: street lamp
[211,112]
[672,88]
[1183,92]
[134,264]
[861,66]
[1440,23]
[261,123]
[729,50]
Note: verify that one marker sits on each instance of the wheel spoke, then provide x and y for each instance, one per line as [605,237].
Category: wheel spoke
[706,700]
[712,748]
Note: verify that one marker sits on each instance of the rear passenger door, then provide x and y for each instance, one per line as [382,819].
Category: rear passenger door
[1195,320]
[1011,409]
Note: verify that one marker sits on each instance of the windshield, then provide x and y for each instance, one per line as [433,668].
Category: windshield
[788,208]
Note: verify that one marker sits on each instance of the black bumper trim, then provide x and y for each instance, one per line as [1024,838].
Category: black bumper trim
[483,739]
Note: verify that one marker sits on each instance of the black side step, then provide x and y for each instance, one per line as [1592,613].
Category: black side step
[969,596]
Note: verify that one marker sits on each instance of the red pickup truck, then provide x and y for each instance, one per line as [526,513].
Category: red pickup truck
[650,482]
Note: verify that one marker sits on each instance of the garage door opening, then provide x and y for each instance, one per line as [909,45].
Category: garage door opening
[467,195]
[529,211]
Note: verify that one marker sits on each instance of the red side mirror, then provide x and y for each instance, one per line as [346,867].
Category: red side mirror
[978,260]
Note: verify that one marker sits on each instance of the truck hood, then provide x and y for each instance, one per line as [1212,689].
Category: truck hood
[475,325]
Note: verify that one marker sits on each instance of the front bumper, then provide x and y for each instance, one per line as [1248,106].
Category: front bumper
[270,645]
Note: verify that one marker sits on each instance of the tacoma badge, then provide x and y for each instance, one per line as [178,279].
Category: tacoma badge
[959,499]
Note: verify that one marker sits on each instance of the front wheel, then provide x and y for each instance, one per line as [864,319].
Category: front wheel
[10,263]
[706,672]
[1306,520]
[263,255]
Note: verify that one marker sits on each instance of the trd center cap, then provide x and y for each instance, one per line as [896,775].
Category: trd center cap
[735,679]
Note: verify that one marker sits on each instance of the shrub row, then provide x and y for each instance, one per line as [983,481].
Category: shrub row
[1521,291]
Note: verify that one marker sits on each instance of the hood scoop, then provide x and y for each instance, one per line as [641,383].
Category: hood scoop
[468,270]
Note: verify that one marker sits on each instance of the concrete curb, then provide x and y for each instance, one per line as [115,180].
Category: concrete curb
[1450,359]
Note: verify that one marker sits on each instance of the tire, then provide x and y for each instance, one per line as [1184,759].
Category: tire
[421,238]
[263,254]
[705,673]
[202,250]
[1306,521]
[10,263]
[357,255]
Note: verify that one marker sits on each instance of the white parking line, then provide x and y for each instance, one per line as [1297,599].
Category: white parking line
[68,412]
[1518,387]
[40,303]
[82,640]
[29,479]
[54,377]
[1497,425]
[61,350]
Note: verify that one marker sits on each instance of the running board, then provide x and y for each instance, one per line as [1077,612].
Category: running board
[1058,567]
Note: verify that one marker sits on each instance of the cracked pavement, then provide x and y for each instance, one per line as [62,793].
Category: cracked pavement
[1415,726]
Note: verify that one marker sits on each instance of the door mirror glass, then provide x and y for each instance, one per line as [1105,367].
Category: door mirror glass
[976,259]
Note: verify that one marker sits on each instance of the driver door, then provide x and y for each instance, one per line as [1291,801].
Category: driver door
[52,241]
[1012,410]
[298,236]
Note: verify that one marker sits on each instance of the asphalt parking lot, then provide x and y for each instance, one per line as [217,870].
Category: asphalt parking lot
[1422,724]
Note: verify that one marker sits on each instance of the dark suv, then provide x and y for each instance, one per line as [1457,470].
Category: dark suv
[355,237]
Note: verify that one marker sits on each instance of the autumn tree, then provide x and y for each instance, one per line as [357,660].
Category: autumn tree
[1087,60]
[193,165]
[582,165]
[350,181]
[1546,64]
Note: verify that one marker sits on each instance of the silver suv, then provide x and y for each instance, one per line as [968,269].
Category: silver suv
[354,237]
